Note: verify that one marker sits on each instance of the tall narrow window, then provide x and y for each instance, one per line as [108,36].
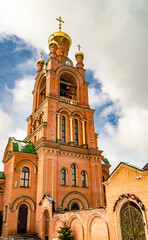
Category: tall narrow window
[76,131]
[63,129]
[25,177]
[6,209]
[103,178]
[83,179]
[63,177]
[73,175]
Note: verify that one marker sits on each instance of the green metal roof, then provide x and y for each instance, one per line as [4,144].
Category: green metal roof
[2,175]
[21,146]
[106,161]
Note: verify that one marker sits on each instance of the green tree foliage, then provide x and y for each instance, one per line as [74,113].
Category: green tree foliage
[65,233]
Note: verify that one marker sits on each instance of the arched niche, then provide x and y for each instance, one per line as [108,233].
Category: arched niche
[46,224]
[97,227]
[68,86]
[77,228]
[57,223]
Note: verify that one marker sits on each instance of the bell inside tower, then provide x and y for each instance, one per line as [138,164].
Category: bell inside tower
[68,87]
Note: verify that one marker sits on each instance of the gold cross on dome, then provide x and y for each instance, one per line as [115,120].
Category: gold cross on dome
[79,46]
[60,22]
[41,54]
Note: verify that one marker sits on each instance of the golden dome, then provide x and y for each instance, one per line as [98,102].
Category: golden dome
[79,54]
[40,61]
[60,37]
[53,43]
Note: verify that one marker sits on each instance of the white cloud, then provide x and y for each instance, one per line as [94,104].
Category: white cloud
[21,94]
[97,98]
[128,142]
[114,108]
[14,111]
[114,38]
[29,65]
[133,131]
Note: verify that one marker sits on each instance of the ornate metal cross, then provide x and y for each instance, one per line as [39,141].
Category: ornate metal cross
[60,22]
[79,46]
[41,54]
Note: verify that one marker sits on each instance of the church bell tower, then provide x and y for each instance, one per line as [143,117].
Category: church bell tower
[61,127]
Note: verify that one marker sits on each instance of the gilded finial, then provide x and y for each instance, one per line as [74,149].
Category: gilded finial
[41,61]
[79,53]
[60,22]
[41,54]
[79,47]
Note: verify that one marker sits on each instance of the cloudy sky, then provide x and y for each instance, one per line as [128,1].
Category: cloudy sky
[114,39]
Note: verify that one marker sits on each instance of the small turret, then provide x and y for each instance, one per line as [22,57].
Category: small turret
[53,45]
[40,64]
[79,58]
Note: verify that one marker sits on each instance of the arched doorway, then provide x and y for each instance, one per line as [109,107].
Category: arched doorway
[22,219]
[132,224]
[46,224]
[1,220]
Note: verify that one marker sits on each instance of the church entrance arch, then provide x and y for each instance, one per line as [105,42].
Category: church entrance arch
[132,223]
[46,224]
[22,219]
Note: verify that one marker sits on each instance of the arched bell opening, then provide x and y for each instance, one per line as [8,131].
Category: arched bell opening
[68,86]
[132,222]
[42,91]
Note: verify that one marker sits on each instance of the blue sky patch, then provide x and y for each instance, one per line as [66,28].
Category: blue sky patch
[14,51]
[112,117]
[93,82]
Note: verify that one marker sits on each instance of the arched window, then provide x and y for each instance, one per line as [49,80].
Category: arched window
[25,177]
[75,206]
[103,179]
[76,131]
[83,179]
[132,222]
[63,129]
[73,175]
[42,91]
[63,177]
